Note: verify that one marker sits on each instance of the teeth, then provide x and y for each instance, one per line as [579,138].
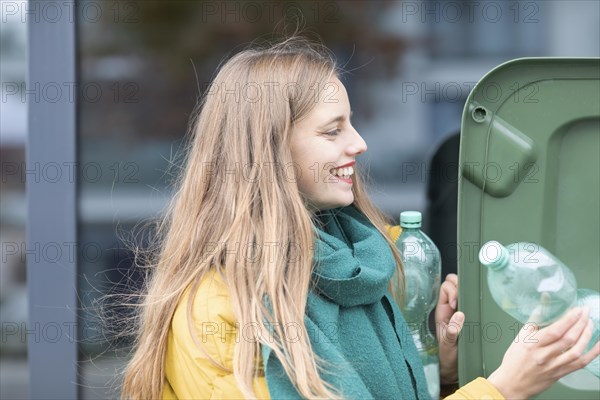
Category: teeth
[343,172]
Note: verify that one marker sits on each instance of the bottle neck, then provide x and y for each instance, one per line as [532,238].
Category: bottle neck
[494,255]
[502,261]
[410,227]
[499,267]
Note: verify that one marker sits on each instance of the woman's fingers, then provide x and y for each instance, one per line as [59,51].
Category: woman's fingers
[533,363]
[452,330]
[575,351]
[444,293]
[446,306]
[593,353]
[568,347]
[452,278]
[574,335]
[449,291]
[558,329]
[574,359]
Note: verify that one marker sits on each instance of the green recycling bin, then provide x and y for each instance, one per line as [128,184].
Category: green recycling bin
[529,171]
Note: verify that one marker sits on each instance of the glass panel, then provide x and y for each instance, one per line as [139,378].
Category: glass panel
[143,63]
[14,376]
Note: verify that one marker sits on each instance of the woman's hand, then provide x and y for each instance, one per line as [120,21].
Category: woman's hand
[448,323]
[539,357]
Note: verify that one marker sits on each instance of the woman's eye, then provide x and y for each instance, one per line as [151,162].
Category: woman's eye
[334,132]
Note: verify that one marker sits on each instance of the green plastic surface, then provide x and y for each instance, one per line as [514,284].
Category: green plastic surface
[529,172]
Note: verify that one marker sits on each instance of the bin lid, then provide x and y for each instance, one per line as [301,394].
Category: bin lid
[529,171]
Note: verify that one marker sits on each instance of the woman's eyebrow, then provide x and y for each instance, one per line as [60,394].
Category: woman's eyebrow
[337,119]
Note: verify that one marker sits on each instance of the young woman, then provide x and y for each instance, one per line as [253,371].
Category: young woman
[273,272]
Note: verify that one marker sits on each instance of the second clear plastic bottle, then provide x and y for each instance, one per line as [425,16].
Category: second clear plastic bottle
[532,285]
[422,271]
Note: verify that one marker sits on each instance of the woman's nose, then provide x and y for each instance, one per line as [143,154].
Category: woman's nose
[358,145]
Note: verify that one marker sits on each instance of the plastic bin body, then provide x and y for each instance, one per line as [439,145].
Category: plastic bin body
[529,171]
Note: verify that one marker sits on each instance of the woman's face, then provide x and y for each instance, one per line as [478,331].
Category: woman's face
[321,144]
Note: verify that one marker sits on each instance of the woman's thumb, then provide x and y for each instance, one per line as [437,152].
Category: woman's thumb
[454,327]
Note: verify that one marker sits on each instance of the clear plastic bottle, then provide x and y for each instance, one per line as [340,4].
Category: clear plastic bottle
[591,298]
[532,285]
[525,277]
[422,271]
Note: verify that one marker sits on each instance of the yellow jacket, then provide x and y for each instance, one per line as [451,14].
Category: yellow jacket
[191,375]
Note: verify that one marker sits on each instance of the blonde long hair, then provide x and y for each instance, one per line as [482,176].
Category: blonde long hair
[242,123]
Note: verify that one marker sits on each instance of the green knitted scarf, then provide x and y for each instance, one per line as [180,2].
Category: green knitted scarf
[351,319]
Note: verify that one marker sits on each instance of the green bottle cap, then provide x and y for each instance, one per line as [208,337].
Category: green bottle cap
[410,219]
[492,254]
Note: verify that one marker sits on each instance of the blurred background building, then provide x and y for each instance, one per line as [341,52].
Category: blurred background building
[141,66]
